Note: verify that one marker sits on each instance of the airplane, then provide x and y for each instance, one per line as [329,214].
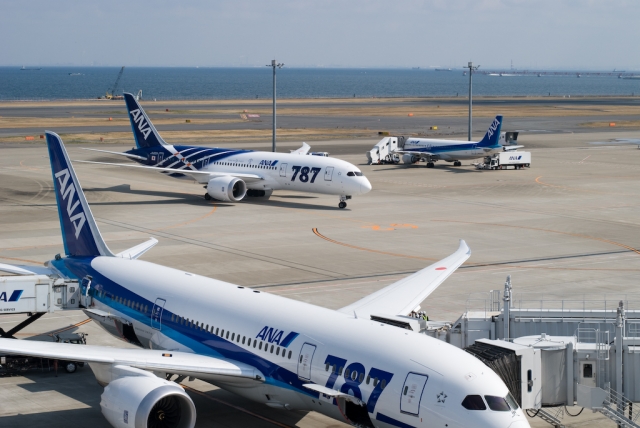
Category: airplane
[432,150]
[230,175]
[354,364]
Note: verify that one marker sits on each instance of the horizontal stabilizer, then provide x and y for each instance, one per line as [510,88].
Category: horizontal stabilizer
[25,269]
[129,155]
[511,148]
[402,297]
[138,250]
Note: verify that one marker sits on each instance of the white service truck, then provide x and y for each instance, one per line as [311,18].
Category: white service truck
[506,160]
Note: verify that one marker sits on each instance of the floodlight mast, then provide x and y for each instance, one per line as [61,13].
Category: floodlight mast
[471,70]
[274,64]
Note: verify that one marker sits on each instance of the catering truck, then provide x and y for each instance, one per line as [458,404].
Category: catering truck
[506,160]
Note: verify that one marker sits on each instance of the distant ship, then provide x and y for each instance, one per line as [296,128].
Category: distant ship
[75,74]
[29,69]
[443,69]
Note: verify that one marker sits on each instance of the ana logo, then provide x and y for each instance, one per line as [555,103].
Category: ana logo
[493,127]
[515,157]
[15,296]
[268,163]
[143,125]
[273,335]
[68,192]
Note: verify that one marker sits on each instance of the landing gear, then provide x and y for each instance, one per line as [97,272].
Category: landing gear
[430,164]
[457,163]
[207,196]
[342,205]
[343,201]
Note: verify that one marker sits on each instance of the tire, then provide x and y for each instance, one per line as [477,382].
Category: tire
[342,205]
[207,196]
[70,367]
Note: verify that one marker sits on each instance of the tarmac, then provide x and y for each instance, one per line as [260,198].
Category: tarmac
[565,228]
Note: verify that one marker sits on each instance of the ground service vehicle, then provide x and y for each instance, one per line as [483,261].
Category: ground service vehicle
[506,160]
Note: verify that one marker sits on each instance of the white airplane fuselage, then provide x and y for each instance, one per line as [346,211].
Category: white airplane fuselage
[449,150]
[404,379]
[278,171]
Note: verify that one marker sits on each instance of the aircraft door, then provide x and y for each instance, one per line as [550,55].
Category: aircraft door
[156,314]
[328,173]
[205,163]
[85,287]
[283,170]
[411,393]
[304,361]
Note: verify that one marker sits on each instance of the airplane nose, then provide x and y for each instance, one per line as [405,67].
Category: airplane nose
[365,186]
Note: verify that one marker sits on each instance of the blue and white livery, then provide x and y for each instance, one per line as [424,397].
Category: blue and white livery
[432,150]
[231,174]
[286,354]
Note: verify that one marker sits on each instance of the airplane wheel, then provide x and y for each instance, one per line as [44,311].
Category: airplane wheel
[70,367]
[342,205]
[430,165]
[207,196]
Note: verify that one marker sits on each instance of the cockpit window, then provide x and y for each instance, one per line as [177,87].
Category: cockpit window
[497,404]
[473,402]
[351,174]
[354,174]
[512,402]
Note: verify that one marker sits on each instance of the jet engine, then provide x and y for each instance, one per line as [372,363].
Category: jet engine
[227,189]
[141,402]
[408,158]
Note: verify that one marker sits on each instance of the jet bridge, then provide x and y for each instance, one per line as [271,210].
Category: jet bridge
[35,295]
[553,352]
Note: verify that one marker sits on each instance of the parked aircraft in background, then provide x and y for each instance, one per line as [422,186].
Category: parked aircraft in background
[354,364]
[230,175]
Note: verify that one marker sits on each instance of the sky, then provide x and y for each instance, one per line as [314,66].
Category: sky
[534,34]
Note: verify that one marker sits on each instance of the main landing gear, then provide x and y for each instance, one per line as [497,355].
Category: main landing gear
[343,203]
[430,164]
[207,196]
[457,163]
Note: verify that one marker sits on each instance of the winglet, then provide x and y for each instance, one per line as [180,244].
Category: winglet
[302,150]
[80,233]
[144,132]
[138,250]
[492,137]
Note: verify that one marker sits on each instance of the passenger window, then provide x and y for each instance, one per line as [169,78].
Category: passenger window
[368,379]
[217,331]
[255,342]
[272,349]
[406,388]
[289,354]
[383,384]
[340,371]
[326,367]
[243,338]
[260,346]
[233,336]
[354,375]
[375,381]
[497,404]
[227,334]
[333,368]
[361,377]
[278,351]
[222,334]
[347,372]
[473,402]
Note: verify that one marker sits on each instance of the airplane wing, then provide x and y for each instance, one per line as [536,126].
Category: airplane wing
[302,150]
[245,177]
[129,155]
[176,362]
[402,297]
[412,152]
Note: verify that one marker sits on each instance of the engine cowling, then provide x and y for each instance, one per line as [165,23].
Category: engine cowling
[409,158]
[141,402]
[227,189]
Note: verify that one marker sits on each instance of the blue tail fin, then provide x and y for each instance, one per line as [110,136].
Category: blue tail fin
[144,132]
[492,137]
[80,233]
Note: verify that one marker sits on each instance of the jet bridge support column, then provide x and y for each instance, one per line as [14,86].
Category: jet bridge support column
[506,314]
[619,351]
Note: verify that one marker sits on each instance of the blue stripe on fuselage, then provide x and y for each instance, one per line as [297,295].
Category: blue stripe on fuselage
[200,341]
[443,149]
[193,154]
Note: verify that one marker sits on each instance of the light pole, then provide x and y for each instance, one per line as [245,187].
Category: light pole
[274,65]
[471,70]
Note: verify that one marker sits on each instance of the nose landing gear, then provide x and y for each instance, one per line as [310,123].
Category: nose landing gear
[430,164]
[457,163]
[343,203]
